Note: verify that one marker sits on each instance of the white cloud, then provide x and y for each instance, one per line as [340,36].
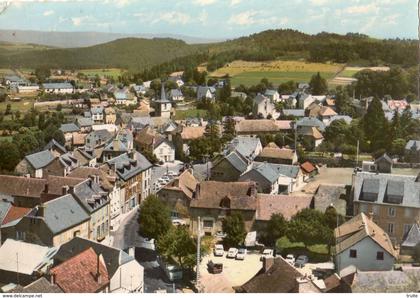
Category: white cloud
[77,21]
[235,2]
[361,9]
[174,17]
[204,2]
[252,17]
[319,2]
[243,18]
[48,13]
[203,17]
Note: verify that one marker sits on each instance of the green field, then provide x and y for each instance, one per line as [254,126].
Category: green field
[316,253]
[181,115]
[112,72]
[22,105]
[253,78]
[348,73]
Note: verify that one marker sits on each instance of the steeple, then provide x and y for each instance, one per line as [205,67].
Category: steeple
[162,92]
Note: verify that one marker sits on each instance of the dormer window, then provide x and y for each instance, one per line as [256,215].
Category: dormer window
[394,192]
[225,203]
[370,190]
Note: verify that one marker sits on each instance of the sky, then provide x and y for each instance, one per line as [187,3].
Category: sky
[214,19]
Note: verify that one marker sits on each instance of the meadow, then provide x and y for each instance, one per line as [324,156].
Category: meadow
[110,72]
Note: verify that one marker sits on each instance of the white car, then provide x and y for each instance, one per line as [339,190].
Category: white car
[172,173]
[219,250]
[267,253]
[232,252]
[241,254]
[290,259]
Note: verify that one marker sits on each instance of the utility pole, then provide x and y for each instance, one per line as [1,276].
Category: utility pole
[357,154]
[17,267]
[197,281]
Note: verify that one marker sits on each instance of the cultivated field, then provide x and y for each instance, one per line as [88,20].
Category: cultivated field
[250,73]
[110,72]
[346,77]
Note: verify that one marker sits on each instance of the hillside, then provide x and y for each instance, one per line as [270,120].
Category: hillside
[129,53]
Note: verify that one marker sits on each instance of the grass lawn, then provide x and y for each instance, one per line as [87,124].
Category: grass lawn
[348,73]
[181,115]
[316,253]
[22,105]
[113,72]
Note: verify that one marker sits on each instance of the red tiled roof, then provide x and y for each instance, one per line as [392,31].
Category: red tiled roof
[15,213]
[79,273]
[308,167]
[286,205]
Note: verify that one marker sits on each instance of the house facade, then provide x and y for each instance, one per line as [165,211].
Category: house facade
[164,150]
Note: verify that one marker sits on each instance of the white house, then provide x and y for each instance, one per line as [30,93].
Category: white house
[58,88]
[164,150]
[27,88]
[206,93]
[362,243]
[97,114]
[264,106]
[175,95]
[273,95]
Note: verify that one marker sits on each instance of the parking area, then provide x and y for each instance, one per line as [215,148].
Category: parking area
[235,272]
[163,174]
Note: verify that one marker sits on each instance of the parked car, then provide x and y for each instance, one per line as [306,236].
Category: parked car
[219,250]
[301,261]
[165,178]
[220,234]
[232,252]
[290,259]
[241,254]
[267,253]
[214,268]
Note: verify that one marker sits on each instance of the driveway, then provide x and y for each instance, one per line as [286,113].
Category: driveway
[235,273]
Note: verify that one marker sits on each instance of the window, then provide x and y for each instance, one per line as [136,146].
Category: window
[390,228]
[20,235]
[380,255]
[391,211]
[208,223]
[353,253]
[76,233]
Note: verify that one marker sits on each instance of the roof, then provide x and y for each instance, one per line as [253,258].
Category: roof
[308,167]
[280,277]
[290,171]
[245,146]
[275,152]
[5,205]
[185,182]
[262,170]
[127,167]
[84,121]
[330,194]
[260,98]
[202,91]
[69,127]
[284,124]
[31,256]
[413,145]
[357,229]
[269,92]
[57,86]
[384,157]
[191,133]
[327,112]
[311,122]
[54,144]
[294,112]
[56,183]
[113,257]
[86,172]
[146,136]
[40,159]
[21,186]
[78,274]
[379,184]
[413,236]
[209,195]
[286,205]
[97,110]
[14,213]
[257,125]
[97,137]
[41,285]
[311,132]
[63,213]
[175,93]
[91,195]
[235,159]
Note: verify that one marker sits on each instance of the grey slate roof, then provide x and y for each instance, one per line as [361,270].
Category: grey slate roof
[264,170]
[4,208]
[413,236]
[270,92]
[84,121]
[311,122]
[69,127]
[371,182]
[236,161]
[413,145]
[53,143]
[175,93]
[40,159]
[97,137]
[91,195]
[246,146]
[202,90]
[294,112]
[63,213]
[128,167]
[113,257]
[328,194]
[57,86]
[260,98]
[97,110]
[284,170]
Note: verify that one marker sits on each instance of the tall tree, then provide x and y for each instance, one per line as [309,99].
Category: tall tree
[154,218]
[9,156]
[275,229]
[318,84]
[234,227]
[376,126]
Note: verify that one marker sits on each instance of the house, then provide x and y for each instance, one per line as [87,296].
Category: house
[295,113]
[14,81]
[84,273]
[310,122]
[134,172]
[204,92]
[362,243]
[58,88]
[384,164]
[22,263]
[110,115]
[189,133]
[125,273]
[178,194]
[97,138]
[399,105]
[51,223]
[40,165]
[213,200]
[274,178]
[136,124]
[140,90]
[311,136]
[326,114]
[175,95]
[145,139]
[264,107]
[412,151]
[392,200]
[55,147]
[411,240]
[68,129]
[84,158]
[164,150]
[331,195]
[30,88]
[163,107]
[278,276]
[274,154]
[95,201]
[116,147]
[97,114]
[273,95]
[177,79]
[40,286]
[254,127]
[308,170]
[122,97]
[229,167]
[247,147]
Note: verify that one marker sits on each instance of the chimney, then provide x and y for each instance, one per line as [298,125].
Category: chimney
[41,210]
[52,279]
[131,252]
[97,179]
[267,263]
[131,154]
[116,145]
[46,187]
[65,190]
[98,273]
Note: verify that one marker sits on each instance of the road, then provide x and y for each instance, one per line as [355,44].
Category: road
[127,236]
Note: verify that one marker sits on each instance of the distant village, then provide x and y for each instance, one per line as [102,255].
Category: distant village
[284,192]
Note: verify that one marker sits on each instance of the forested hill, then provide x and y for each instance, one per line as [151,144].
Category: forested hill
[138,54]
